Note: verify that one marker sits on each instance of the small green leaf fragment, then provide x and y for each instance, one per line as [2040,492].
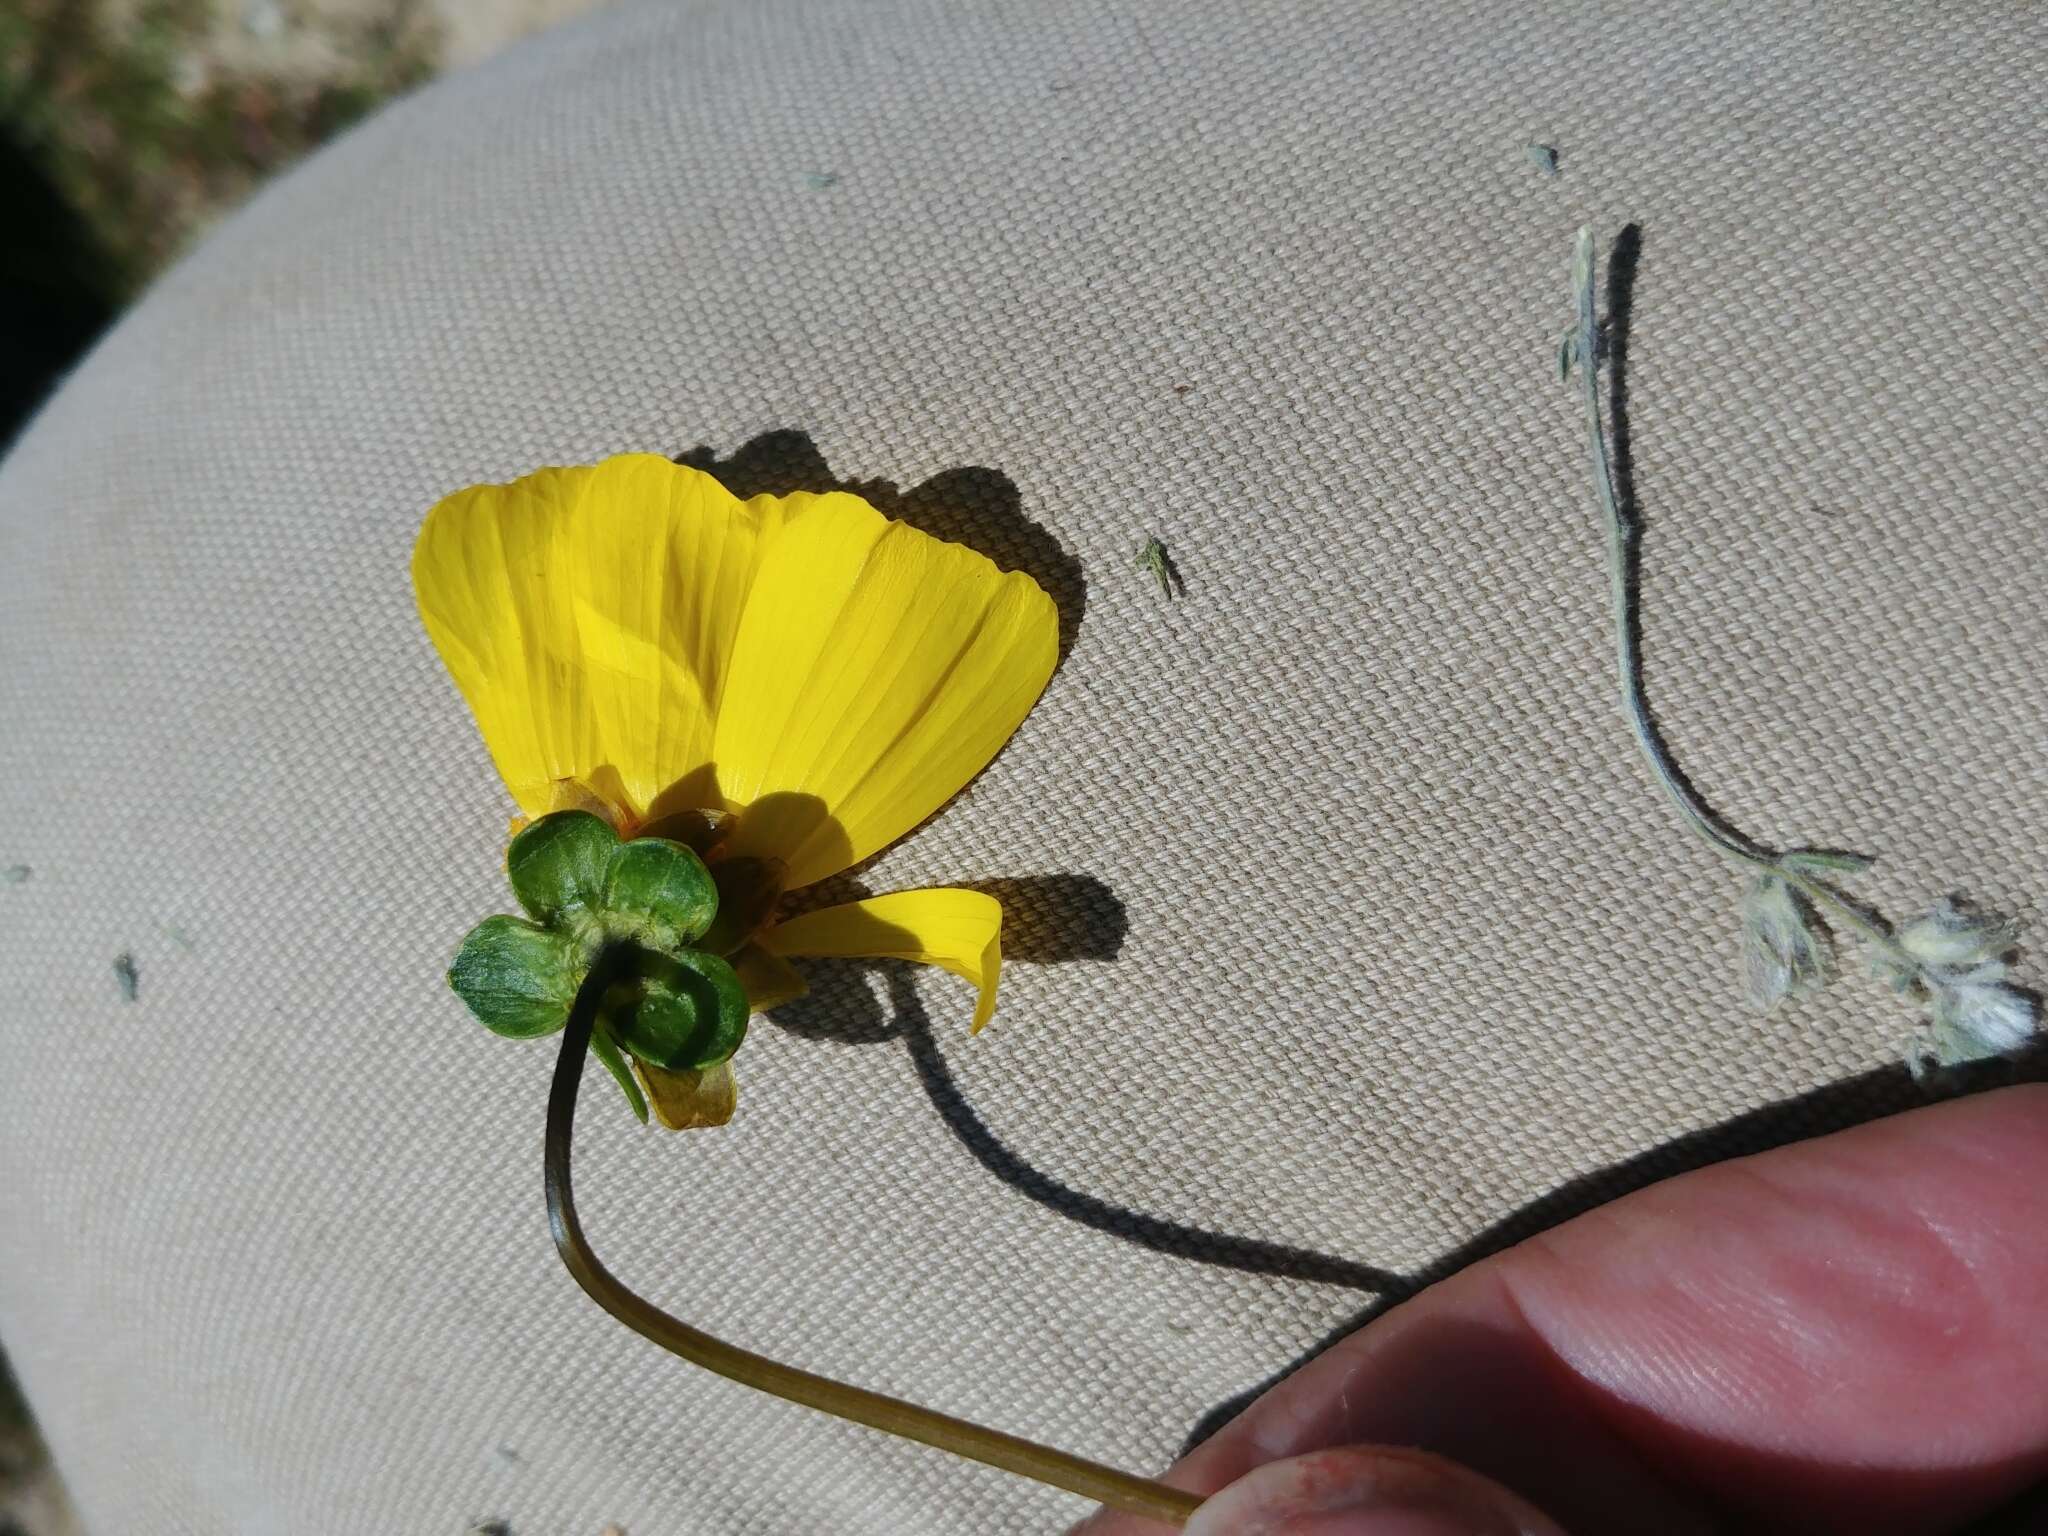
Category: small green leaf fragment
[127,977]
[518,978]
[661,889]
[1543,157]
[557,864]
[685,1011]
[1825,861]
[606,1050]
[1153,557]
[1567,354]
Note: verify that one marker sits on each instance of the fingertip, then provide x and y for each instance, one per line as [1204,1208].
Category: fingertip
[1367,1491]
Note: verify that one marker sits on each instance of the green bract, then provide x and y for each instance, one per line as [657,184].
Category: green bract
[606,1050]
[659,891]
[557,864]
[685,1011]
[644,906]
[517,977]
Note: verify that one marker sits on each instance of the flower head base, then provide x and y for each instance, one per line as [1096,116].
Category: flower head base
[639,909]
[704,703]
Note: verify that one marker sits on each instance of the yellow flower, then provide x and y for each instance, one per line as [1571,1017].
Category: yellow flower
[786,685]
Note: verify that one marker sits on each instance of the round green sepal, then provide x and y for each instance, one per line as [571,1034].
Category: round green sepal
[683,1011]
[518,978]
[557,864]
[658,892]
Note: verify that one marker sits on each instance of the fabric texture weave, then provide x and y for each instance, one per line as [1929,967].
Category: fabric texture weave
[1348,937]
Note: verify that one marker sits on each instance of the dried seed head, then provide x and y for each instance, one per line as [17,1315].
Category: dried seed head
[1786,948]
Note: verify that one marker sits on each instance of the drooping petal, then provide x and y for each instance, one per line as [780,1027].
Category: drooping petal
[876,671]
[959,931]
[684,1100]
[588,617]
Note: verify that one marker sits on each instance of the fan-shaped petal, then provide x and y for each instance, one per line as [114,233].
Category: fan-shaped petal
[588,616]
[876,671]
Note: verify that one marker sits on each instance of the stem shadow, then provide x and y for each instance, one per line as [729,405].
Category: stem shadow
[1179,1239]
[1047,919]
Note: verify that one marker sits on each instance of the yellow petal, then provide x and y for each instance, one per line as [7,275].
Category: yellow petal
[634,630]
[959,931]
[588,617]
[685,1101]
[876,671]
[769,981]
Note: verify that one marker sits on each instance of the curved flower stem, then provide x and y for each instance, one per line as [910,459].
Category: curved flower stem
[1091,1480]
[1621,538]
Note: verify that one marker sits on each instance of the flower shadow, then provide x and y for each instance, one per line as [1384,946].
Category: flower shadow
[971,505]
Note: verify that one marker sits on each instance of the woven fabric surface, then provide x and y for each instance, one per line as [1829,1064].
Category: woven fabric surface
[1349,936]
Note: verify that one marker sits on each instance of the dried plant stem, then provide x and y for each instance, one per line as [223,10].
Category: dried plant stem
[1091,1480]
[1622,533]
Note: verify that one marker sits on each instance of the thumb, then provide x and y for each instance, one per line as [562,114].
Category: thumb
[1367,1491]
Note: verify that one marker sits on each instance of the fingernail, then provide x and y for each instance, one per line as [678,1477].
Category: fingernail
[1366,1491]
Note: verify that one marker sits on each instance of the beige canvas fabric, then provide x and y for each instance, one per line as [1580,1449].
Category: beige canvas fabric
[1348,936]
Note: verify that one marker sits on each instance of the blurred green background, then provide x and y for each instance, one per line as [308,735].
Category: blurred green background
[127,129]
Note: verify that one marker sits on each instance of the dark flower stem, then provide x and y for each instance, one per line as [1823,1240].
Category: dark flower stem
[1090,1480]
